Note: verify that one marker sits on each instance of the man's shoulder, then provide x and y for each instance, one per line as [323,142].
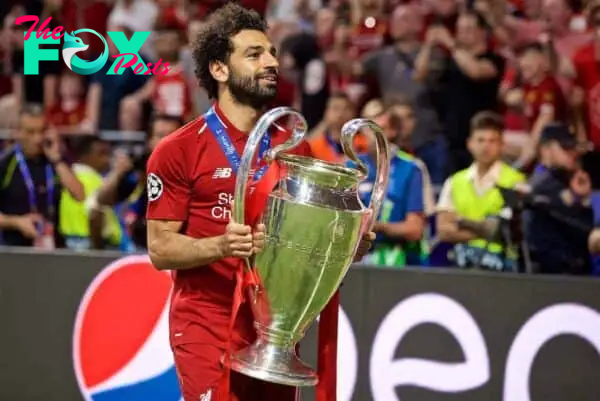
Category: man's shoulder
[184,138]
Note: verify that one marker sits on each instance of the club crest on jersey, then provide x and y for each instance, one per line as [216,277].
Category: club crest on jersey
[206,396]
[154,187]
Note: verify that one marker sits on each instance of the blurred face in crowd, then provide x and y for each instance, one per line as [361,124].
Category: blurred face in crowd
[533,8]
[99,156]
[444,8]
[31,134]
[160,129]
[70,86]
[252,69]
[468,33]
[407,120]
[324,24]
[485,145]
[533,65]
[112,49]
[406,23]
[338,111]
[168,45]
[556,12]
[555,156]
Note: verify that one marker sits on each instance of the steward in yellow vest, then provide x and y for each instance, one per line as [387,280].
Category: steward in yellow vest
[470,197]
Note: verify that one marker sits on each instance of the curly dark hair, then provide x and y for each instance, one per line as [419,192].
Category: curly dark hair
[214,41]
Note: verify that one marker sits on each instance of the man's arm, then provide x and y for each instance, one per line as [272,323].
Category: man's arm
[69,181]
[474,68]
[413,226]
[594,242]
[168,249]
[448,229]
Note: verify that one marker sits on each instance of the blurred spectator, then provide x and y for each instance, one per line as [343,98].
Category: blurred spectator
[324,140]
[106,91]
[136,15]
[368,27]
[558,230]
[33,174]
[586,96]
[401,224]
[538,97]
[401,118]
[470,79]
[470,201]
[169,94]
[200,98]
[127,183]
[93,160]
[393,67]
[69,110]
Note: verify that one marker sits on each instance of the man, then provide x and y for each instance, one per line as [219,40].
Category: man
[401,223]
[93,160]
[325,138]
[393,67]
[470,200]
[472,71]
[541,100]
[191,183]
[126,182]
[32,174]
[586,96]
[557,230]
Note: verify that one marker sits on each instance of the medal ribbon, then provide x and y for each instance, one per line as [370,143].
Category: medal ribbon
[50,187]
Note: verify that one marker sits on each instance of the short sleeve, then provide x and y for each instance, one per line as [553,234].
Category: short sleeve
[414,201]
[445,203]
[167,183]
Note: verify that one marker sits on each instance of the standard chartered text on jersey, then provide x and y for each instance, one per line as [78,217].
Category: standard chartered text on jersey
[222,210]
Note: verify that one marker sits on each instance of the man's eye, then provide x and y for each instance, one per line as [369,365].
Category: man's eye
[253,55]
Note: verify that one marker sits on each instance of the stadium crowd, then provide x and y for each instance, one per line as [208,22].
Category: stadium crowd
[491,107]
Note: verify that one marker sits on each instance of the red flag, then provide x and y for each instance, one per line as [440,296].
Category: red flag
[327,351]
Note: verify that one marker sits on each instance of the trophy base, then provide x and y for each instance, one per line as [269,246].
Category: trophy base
[273,363]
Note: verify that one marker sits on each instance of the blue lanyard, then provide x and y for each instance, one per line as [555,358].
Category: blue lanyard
[33,207]
[218,130]
[337,147]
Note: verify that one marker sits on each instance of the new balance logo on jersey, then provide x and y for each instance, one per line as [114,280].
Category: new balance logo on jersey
[222,172]
[206,396]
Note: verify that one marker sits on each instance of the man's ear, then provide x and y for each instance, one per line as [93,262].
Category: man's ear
[219,71]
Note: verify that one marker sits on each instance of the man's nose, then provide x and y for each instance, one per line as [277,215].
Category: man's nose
[271,61]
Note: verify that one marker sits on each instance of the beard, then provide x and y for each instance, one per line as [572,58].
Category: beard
[248,90]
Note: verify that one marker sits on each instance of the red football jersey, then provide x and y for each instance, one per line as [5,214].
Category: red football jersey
[546,93]
[587,67]
[172,94]
[197,189]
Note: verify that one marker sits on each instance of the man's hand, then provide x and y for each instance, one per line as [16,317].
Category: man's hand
[258,238]
[581,184]
[52,147]
[365,244]
[240,241]
[27,224]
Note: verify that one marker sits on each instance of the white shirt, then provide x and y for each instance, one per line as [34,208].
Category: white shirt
[481,184]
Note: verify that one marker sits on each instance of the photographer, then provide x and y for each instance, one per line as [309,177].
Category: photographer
[127,183]
[470,204]
[559,218]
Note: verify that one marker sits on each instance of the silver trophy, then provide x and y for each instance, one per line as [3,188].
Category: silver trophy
[314,223]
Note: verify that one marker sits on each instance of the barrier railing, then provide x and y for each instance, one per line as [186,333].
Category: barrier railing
[107,135]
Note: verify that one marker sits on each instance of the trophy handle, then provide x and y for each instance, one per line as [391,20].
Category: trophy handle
[261,129]
[349,130]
